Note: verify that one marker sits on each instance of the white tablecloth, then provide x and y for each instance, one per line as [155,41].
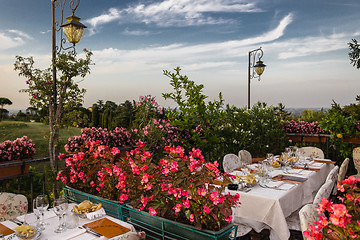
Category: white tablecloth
[70,234]
[263,208]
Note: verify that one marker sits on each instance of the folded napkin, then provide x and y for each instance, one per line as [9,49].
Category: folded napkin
[99,213]
[273,184]
[295,171]
[286,186]
[315,164]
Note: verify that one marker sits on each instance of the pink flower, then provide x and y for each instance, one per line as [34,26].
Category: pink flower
[192,218]
[152,211]
[206,209]
[177,208]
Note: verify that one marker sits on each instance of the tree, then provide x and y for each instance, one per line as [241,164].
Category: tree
[3,101]
[354,53]
[40,89]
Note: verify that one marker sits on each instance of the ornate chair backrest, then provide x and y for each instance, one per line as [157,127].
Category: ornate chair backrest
[307,215]
[333,176]
[12,205]
[313,152]
[245,157]
[231,162]
[343,170]
[356,159]
[324,191]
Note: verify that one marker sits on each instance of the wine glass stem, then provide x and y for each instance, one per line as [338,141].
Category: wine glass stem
[61,221]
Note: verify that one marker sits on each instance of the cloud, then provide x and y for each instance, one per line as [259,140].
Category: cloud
[13,38]
[135,32]
[174,13]
[227,53]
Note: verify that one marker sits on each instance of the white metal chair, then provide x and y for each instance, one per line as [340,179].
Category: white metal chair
[307,216]
[231,162]
[324,191]
[333,176]
[245,157]
[343,169]
[12,205]
[356,159]
[313,152]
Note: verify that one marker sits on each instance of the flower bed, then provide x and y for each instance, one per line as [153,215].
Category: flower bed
[178,188]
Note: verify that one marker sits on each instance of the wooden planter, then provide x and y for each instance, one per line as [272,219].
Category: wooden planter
[13,168]
[307,138]
[161,228]
[352,140]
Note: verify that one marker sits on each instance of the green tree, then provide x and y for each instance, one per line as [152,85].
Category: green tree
[311,115]
[40,89]
[3,102]
[282,113]
[354,53]
[95,118]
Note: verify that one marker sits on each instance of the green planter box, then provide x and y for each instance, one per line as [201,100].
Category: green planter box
[112,208]
[161,228]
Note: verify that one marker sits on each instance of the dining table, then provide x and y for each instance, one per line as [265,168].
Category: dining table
[74,232]
[267,205]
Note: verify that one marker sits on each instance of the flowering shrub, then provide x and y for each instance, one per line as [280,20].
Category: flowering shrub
[178,188]
[146,109]
[304,127]
[119,137]
[342,220]
[21,148]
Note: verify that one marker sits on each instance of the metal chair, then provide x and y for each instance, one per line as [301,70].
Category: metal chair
[324,191]
[231,162]
[245,157]
[343,169]
[307,216]
[12,205]
[356,159]
[313,152]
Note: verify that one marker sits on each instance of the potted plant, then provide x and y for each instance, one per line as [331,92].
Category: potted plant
[178,188]
[339,221]
[13,154]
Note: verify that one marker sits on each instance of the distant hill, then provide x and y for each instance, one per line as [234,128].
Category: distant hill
[297,111]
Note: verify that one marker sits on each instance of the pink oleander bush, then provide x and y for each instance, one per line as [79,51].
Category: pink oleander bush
[19,149]
[303,127]
[339,220]
[178,188]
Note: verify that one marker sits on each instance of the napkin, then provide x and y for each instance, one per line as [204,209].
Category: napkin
[31,218]
[273,184]
[295,171]
[99,213]
[286,186]
[315,164]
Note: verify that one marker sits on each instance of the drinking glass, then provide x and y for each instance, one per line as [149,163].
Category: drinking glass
[38,215]
[42,203]
[60,207]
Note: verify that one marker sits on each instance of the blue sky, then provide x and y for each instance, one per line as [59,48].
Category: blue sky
[304,42]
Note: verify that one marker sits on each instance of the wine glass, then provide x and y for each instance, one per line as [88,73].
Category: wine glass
[38,215]
[60,207]
[42,203]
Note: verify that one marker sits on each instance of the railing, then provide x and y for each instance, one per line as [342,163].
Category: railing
[29,184]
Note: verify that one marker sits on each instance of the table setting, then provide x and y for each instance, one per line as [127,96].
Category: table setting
[65,222]
[284,183]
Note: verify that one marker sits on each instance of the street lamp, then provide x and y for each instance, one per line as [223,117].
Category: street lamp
[73,29]
[257,69]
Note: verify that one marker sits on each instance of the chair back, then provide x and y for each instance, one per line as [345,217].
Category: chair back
[12,205]
[313,152]
[343,170]
[307,215]
[231,162]
[245,157]
[324,192]
[356,159]
[333,176]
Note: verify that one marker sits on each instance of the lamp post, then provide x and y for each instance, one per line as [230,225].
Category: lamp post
[73,29]
[255,70]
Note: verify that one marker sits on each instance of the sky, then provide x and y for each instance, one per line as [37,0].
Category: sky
[305,45]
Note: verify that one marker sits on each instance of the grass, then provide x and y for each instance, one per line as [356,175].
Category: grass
[37,132]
